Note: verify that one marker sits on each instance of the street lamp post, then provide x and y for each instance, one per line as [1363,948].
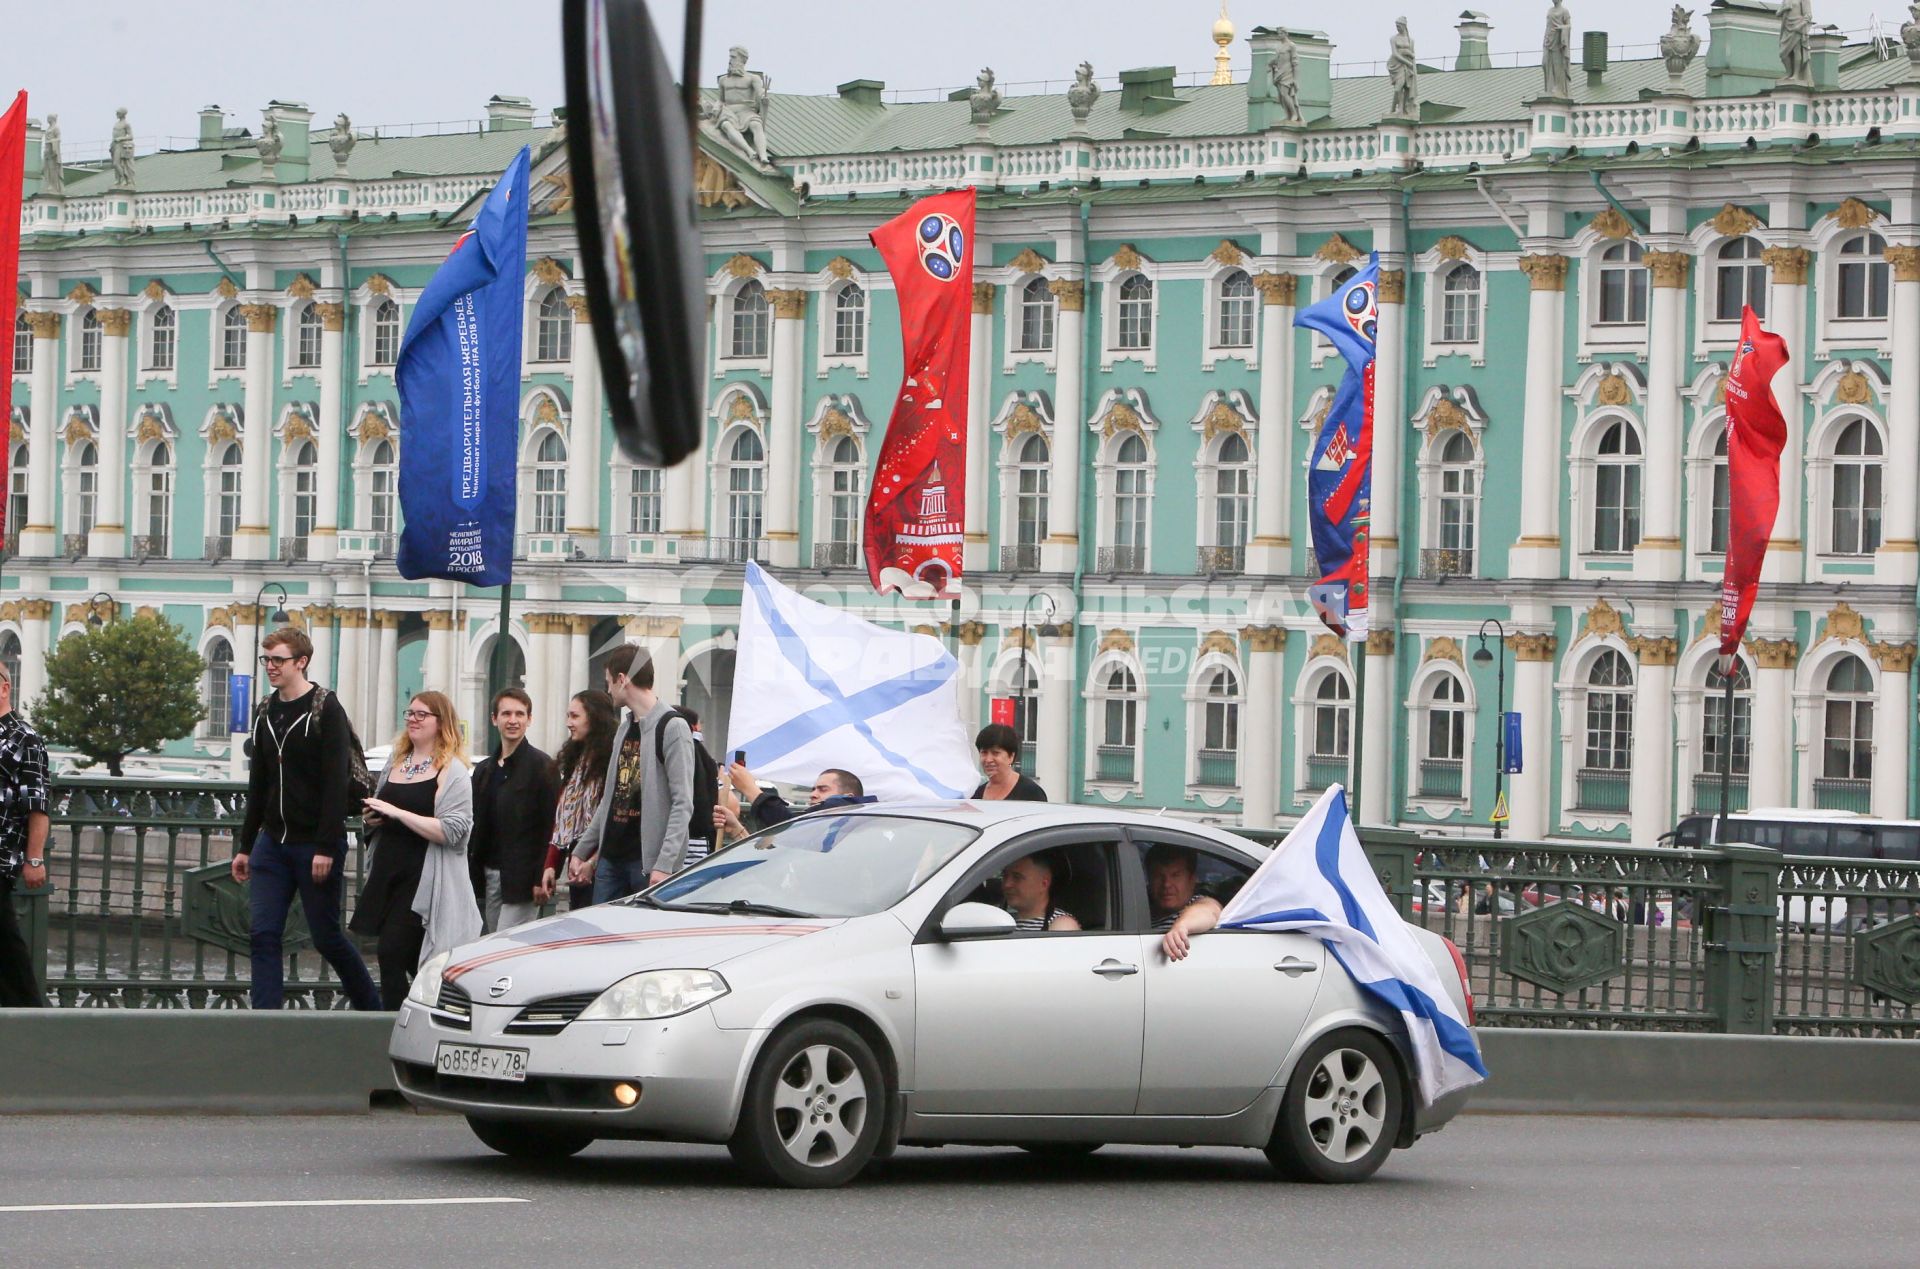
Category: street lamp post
[277,617]
[94,620]
[1480,657]
[1026,646]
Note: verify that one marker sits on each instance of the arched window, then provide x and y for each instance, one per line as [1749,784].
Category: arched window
[1459,506]
[1609,715]
[1232,504]
[1444,741]
[746,484]
[382,489]
[1135,325]
[308,330]
[549,485]
[553,327]
[156,500]
[91,335]
[10,658]
[22,344]
[386,333]
[1460,305]
[1219,728]
[1720,508]
[849,321]
[750,323]
[1031,477]
[1862,282]
[163,331]
[1616,489]
[1332,731]
[1856,489]
[1623,284]
[86,487]
[1025,688]
[1235,325]
[219,689]
[1341,277]
[1714,737]
[16,497]
[645,492]
[305,505]
[1036,316]
[1846,760]
[227,512]
[1119,725]
[1739,278]
[845,475]
[1131,506]
[233,339]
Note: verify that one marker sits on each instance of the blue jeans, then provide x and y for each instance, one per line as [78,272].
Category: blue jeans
[616,879]
[281,870]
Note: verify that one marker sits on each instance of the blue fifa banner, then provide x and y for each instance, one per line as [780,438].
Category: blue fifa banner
[459,381]
[240,703]
[1340,469]
[1510,750]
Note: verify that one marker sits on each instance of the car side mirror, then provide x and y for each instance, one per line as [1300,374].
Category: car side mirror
[970,920]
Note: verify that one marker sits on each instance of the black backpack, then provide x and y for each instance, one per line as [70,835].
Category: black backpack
[360,783]
[706,785]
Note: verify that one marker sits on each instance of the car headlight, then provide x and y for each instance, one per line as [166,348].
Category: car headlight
[426,983]
[658,993]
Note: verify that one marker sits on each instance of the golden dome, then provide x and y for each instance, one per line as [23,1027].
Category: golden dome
[1223,28]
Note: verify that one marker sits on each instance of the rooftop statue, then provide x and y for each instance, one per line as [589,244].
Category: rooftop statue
[1796,39]
[740,113]
[1909,36]
[1403,74]
[1284,70]
[984,99]
[53,179]
[271,143]
[1556,53]
[1083,93]
[1679,45]
[340,140]
[121,150]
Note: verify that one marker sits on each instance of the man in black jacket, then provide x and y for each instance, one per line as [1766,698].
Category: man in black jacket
[515,792]
[832,790]
[294,838]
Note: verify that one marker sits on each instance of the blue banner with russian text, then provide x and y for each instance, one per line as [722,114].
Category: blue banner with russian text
[459,378]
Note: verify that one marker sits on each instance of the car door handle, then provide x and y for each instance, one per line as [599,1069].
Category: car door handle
[1293,967]
[1114,969]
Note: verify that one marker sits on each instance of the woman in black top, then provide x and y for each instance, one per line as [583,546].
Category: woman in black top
[999,747]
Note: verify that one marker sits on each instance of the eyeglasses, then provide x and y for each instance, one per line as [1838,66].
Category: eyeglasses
[267,658]
[415,715]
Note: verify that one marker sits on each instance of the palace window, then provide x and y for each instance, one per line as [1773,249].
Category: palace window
[1458,527]
[1235,325]
[550,485]
[1720,506]
[1036,316]
[1032,475]
[1713,725]
[156,506]
[386,333]
[308,330]
[233,339]
[17,498]
[1443,739]
[1220,712]
[1135,325]
[86,487]
[1609,714]
[1616,489]
[845,503]
[1460,305]
[91,336]
[163,338]
[849,321]
[219,690]
[751,321]
[1847,751]
[1132,505]
[1331,739]
[1623,284]
[1119,716]
[1232,500]
[382,488]
[1856,489]
[22,345]
[306,493]
[1739,278]
[553,327]
[1862,278]
[645,493]
[746,484]
[227,512]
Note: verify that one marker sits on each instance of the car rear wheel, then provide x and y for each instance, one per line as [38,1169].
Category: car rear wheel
[814,1108]
[528,1141]
[1341,1113]
[1061,1149]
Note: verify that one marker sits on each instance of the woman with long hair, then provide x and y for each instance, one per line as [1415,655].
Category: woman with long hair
[591,722]
[418,899]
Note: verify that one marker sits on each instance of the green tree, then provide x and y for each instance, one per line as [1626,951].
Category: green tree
[128,686]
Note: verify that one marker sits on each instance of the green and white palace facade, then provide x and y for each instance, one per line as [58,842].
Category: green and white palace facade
[204,404]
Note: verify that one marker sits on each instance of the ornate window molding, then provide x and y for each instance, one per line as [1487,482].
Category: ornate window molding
[1025,425]
[1225,482]
[1116,702]
[845,318]
[1322,721]
[1458,278]
[1130,318]
[1216,708]
[839,471]
[1450,481]
[1578,692]
[1441,710]
[1124,475]
[1232,306]
[1032,303]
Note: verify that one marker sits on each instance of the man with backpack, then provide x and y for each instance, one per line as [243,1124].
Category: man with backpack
[300,791]
[640,830]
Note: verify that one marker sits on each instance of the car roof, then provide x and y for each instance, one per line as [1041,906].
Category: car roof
[1027,816]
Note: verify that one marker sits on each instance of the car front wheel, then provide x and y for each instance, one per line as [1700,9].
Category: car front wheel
[814,1108]
[528,1141]
[1341,1113]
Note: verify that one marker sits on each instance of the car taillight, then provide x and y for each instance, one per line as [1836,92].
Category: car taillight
[1460,966]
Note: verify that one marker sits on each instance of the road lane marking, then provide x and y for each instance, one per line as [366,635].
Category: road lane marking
[247,1203]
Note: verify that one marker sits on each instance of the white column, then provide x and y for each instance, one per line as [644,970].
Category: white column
[539,658]
[784,466]
[254,540]
[437,672]
[1891,731]
[386,673]
[979,359]
[1898,561]
[1059,551]
[1376,737]
[1270,550]
[1650,790]
[1389,429]
[331,443]
[1770,778]
[579,657]
[683,508]
[40,535]
[1059,693]
[1537,553]
[1658,556]
[1787,317]
[35,630]
[1260,719]
[1530,792]
[350,680]
[585,471]
[109,537]
[317,621]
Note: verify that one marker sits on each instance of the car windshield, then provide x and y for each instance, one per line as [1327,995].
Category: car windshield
[819,865]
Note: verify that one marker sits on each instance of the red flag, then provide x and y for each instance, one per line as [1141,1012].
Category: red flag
[916,507]
[13,158]
[1755,436]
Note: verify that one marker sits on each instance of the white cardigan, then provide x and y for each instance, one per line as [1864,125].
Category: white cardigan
[444,901]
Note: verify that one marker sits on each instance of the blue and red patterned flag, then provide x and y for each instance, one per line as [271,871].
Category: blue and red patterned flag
[1340,472]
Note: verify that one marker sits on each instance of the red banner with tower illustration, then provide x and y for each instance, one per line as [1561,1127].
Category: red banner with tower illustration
[917,507]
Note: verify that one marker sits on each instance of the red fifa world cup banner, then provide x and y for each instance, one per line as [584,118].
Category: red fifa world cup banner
[917,505]
[13,157]
[1755,436]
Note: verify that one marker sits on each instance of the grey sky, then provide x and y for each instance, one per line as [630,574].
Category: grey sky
[413,61]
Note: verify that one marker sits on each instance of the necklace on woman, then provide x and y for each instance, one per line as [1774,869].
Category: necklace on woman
[412,767]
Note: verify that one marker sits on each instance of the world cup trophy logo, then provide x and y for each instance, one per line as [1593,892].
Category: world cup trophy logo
[1360,310]
[942,246]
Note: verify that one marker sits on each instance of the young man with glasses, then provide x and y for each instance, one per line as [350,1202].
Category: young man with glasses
[294,839]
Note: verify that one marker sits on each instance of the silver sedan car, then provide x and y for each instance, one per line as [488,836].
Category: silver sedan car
[850,982]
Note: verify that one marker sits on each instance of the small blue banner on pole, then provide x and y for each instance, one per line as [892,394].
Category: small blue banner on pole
[240,703]
[1512,755]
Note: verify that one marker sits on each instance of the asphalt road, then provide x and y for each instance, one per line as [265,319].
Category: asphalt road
[1490,1190]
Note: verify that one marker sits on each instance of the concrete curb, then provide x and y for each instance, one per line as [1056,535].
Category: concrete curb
[60,1061]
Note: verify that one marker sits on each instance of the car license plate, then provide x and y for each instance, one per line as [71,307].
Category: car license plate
[479,1063]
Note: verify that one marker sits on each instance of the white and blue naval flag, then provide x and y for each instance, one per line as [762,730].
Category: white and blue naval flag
[1318,882]
[815,687]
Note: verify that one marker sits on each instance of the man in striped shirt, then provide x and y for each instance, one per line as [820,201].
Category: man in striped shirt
[1027,887]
